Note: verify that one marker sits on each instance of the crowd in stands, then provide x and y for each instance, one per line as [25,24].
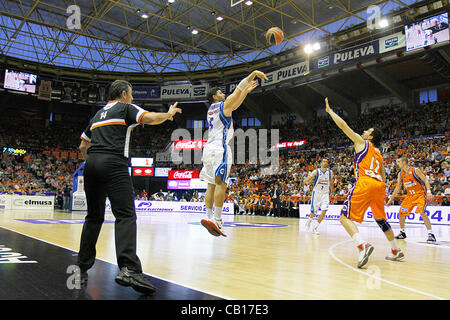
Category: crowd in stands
[43,171]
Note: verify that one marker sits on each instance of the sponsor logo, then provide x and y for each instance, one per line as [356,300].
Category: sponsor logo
[173,92]
[183,174]
[143,172]
[79,203]
[290,144]
[42,203]
[199,91]
[297,71]
[341,57]
[323,62]
[391,42]
[145,204]
[8,256]
[189,144]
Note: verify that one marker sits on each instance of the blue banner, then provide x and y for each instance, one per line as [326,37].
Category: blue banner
[348,55]
[146,93]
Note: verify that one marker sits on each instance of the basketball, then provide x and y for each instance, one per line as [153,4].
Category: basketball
[275,35]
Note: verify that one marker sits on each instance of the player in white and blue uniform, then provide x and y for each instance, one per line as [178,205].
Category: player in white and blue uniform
[323,183]
[217,157]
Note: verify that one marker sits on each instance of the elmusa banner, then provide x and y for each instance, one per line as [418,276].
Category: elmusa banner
[286,73]
[392,42]
[348,55]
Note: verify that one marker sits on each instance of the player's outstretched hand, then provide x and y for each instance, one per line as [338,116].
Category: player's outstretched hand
[249,88]
[260,75]
[173,110]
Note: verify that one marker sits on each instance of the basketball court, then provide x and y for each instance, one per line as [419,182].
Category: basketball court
[262,258]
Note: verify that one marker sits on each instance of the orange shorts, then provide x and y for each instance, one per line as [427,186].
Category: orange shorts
[366,193]
[410,202]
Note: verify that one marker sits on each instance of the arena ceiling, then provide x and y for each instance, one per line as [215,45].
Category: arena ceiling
[113,35]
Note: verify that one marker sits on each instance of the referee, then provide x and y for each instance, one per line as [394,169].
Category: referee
[105,147]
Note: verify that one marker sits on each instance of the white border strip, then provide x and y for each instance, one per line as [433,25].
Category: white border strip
[177,283]
[330,251]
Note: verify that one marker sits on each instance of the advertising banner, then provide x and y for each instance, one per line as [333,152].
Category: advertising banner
[184,91]
[189,144]
[184,174]
[143,93]
[392,42]
[437,214]
[348,55]
[79,202]
[32,202]
[290,144]
[5,201]
[286,73]
[162,172]
[176,206]
[142,162]
[143,172]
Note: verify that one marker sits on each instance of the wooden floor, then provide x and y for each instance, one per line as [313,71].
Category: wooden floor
[263,257]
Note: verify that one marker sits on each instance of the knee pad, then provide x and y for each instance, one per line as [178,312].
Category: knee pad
[383,224]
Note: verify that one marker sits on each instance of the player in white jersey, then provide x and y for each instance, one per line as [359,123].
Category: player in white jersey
[323,184]
[217,157]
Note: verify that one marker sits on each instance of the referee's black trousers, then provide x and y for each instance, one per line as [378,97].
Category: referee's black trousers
[107,175]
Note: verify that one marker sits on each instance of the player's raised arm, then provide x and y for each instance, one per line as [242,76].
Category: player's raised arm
[234,100]
[311,176]
[397,189]
[356,138]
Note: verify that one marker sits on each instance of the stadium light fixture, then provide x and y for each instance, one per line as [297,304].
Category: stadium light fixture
[308,48]
[219,18]
[249,2]
[170,1]
[383,23]
[194,31]
[144,16]
[316,46]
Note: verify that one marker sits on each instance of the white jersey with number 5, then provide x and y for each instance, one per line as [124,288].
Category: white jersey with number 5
[217,157]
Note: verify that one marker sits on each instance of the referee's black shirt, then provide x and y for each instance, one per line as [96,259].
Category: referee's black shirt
[109,131]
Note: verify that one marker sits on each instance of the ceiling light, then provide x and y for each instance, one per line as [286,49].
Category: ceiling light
[316,46]
[308,49]
[194,31]
[171,1]
[249,2]
[219,18]
[144,16]
[383,23]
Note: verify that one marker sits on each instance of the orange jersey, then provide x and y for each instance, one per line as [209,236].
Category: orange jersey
[368,162]
[412,183]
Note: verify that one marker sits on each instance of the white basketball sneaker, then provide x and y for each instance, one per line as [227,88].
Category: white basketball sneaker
[214,226]
[365,250]
[315,231]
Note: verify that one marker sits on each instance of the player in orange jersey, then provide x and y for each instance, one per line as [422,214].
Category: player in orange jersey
[368,191]
[415,183]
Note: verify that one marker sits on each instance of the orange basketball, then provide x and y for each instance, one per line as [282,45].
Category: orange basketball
[275,35]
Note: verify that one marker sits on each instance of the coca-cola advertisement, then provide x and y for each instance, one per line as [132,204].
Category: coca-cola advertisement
[143,172]
[183,174]
[189,144]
